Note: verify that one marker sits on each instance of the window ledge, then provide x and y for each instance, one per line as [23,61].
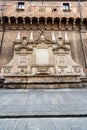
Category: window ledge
[20,9]
[66,10]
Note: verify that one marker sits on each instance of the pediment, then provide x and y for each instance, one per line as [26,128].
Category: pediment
[42,39]
[61,48]
[23,47]
[45,41]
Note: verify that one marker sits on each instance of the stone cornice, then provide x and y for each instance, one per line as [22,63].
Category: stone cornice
[48,0]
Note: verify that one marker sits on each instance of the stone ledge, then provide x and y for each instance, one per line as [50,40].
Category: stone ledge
[42,78]
[42,81]
[1,82]
[41,85]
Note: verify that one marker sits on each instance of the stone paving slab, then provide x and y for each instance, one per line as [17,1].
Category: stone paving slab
[16,102]
[44,124]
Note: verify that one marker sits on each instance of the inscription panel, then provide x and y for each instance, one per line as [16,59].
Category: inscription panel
[42,56]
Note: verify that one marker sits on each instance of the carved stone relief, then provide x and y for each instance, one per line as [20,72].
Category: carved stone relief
[43,57]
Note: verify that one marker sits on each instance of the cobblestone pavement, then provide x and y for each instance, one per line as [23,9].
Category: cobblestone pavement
[70,103]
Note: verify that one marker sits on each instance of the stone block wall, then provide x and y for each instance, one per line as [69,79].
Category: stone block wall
[49,16]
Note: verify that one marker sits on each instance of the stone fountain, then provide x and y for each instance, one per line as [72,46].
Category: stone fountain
[42,63]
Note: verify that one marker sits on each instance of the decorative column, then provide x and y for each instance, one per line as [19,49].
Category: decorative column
[38,23]
[24,23]
[45,23]
[67,23]
[60,23]
[16,23]
[74,21]
[9,22]
[1,21]
[81,23]
[31,23]
[53,24]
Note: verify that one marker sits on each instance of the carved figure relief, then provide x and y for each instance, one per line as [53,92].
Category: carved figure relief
[61,60]
[6,69]
[22,61]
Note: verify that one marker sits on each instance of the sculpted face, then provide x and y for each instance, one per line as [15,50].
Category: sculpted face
[42,37]
[60,41]
[24,40]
